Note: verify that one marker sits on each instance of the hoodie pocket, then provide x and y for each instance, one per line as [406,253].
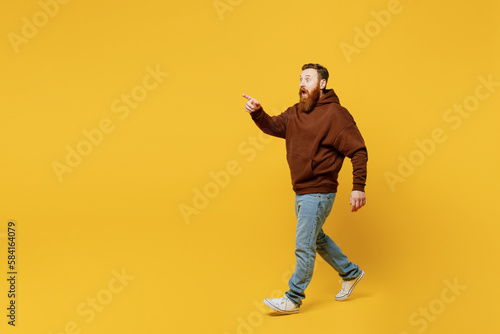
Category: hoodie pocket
[301,169]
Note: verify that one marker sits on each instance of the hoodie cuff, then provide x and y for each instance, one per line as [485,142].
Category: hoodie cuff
[257,113]
[357,186]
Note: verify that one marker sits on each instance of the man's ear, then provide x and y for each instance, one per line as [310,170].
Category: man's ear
[322,84]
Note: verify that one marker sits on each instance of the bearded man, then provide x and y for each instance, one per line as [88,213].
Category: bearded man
[319,134]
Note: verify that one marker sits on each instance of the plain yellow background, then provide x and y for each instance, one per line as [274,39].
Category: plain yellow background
[120,209]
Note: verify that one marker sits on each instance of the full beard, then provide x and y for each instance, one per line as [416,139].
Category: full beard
[308,102]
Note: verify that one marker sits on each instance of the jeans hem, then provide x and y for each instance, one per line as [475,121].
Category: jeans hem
[293,301]
[351,279]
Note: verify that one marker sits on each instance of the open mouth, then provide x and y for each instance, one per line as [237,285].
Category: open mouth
[303,92]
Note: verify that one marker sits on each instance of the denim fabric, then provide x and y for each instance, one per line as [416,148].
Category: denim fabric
[311,211]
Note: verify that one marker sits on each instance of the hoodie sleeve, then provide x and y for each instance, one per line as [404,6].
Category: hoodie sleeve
[350,143]
[272,125]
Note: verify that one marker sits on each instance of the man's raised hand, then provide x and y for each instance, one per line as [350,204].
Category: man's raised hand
[252,104]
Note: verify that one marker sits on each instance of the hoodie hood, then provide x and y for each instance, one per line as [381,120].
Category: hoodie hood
[328,97]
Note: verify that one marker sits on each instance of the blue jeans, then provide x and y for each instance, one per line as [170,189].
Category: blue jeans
[311,211]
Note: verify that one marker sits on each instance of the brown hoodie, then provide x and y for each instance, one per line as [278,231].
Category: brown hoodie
[316,144]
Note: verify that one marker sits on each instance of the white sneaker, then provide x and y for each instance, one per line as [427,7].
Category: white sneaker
[282,305]
[348,287]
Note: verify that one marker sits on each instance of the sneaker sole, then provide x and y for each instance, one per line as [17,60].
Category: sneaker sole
[352,287]
[275,309]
